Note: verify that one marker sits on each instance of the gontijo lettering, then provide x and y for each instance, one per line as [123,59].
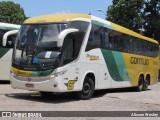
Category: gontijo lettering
[141,61]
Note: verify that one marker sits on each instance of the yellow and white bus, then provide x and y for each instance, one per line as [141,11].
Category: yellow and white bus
[8,34]
[81,53]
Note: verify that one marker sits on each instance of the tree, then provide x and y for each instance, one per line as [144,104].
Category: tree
[11,13]
[152,19]
[126,13]
[136,15]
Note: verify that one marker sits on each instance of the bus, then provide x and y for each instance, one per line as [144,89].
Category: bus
[81,53]
[8,34]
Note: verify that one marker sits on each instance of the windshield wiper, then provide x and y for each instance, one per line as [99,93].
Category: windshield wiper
[36,43]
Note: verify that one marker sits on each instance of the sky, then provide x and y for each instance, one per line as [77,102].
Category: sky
[42,7]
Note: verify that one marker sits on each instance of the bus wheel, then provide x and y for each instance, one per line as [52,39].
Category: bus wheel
[46,93]
[146,84]
[140,84]
[87,90]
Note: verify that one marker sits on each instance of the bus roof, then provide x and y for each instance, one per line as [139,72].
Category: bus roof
[55,18]
[7,26]
[68,17]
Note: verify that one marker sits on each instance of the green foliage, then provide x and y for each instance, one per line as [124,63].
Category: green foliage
[152,19]
[11,13]
[136,15]
[126,13]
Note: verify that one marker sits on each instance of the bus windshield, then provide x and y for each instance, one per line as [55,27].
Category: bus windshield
[36,46]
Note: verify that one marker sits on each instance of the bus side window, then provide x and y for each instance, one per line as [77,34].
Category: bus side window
[68,49]
[140,47]
[136,45]
[150,49]
[155,50]
[113,38]
[131,44]
[115,43]
[105,38]
[144,48]
[78,43]
[126,42]
[120,43]
[94,40]
[73,43]
[147,48]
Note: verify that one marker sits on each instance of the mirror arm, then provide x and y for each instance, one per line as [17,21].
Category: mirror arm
[63,34]
[5,36]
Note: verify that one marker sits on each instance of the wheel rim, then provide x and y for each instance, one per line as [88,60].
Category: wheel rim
[141,84]
[86,89]
[146,83]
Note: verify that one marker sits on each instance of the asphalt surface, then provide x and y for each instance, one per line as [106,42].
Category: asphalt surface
[105,100]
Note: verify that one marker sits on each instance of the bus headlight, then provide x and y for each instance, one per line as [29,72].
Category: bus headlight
[12,73]
[54,75]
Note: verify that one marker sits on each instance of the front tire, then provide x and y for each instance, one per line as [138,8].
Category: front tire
[87,90]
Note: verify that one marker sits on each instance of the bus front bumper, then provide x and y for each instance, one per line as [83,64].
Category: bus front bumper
[51,85]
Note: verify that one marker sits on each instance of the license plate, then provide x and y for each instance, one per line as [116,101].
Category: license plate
[29,85]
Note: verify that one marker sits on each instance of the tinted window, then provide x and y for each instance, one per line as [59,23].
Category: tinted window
[105,38]
[72,45]
[95,38]
[101,37]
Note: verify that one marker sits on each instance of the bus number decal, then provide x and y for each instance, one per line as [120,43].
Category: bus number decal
[70,84]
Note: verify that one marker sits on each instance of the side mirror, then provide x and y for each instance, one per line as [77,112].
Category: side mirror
[63,34]
[6,35]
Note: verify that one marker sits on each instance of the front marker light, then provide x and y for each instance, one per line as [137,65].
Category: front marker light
[12,73]
[54,75]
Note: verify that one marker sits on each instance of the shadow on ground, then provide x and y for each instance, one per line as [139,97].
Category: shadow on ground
[56,98]
[101,93]
[36,96]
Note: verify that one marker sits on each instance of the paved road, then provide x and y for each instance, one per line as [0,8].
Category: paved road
[107,100]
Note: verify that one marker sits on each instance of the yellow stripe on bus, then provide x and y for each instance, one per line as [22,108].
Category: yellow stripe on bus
[21,72]
[56,18]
